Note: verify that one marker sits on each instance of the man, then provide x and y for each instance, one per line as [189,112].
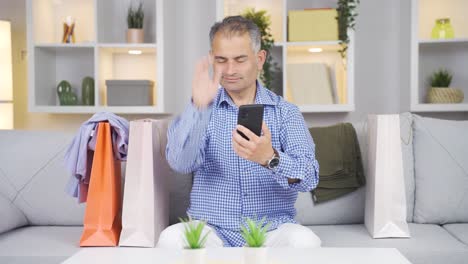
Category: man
[235,178]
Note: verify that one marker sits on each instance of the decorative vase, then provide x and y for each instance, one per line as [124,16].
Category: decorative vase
[87,91]
[443,95]
[195,256]
[135,35]
[255,255]
[443,29]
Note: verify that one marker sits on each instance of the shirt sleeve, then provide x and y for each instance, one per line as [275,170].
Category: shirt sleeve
[297,154]
[186,138]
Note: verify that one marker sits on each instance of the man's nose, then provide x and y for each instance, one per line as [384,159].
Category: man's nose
[230,68]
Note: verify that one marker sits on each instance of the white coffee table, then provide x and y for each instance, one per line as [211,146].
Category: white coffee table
[234,256]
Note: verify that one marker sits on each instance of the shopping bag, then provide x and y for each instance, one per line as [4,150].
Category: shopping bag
[102,220]
[145,211]
[385,207]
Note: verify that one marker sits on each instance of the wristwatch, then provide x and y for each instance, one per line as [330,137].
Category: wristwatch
[273,163]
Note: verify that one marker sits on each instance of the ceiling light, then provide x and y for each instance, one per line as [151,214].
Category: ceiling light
[315,50]
[134,52]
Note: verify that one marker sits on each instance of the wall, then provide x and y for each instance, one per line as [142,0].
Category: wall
[382,62]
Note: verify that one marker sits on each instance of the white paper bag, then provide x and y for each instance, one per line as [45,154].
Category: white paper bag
[145,211]
[385,209]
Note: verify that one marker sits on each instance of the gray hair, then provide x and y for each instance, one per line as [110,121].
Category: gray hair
[237,25]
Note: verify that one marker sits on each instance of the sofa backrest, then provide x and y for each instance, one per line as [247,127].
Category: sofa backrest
[33,177]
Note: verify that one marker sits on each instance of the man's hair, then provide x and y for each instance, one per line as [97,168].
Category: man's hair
[237,25]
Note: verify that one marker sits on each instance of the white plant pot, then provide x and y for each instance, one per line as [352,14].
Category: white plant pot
[255,255]
[195,256]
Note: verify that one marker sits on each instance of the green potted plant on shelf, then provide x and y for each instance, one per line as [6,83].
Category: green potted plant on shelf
[195,251]
[254,234]
[346,18]
[440,91]
[271,73]
[135,18]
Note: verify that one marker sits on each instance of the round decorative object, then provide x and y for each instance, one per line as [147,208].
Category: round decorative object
[442,95]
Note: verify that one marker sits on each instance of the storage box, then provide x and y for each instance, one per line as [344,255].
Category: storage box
[129,92]
[312,25]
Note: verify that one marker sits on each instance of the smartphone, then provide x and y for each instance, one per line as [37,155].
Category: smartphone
[251,117]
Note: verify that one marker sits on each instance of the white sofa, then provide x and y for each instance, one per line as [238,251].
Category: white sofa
[41,224]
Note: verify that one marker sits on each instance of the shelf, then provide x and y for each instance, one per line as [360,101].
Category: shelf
[100,51]
[65,45]
[296,77]
[112,20]
[430,55]
[326,108]
[463,107]
[96,109]
[115,63]
[442,41]
[274,7]
[60,63]
[128,45]
[48,17]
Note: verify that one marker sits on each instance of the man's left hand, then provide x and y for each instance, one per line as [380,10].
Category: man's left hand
[257,149]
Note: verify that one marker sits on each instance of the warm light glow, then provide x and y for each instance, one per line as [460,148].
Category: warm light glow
[6,115]
[315,50]
[6,72]
[6,77]
[134,52]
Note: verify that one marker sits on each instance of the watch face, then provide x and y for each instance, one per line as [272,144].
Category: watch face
[273,163]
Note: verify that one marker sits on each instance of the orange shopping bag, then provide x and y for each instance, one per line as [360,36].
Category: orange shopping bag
[102,220]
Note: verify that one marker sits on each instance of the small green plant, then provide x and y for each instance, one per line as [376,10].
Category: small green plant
[193,233]
[135,17]
[441,78]
[346,20]
[255,232]
[270,68]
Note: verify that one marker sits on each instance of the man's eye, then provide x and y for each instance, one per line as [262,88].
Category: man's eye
[220,60]
[241,60]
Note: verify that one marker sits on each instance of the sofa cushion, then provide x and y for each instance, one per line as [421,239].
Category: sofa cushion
[37,179]
[460,231]
[441,170]
[12,217]
[39,244]
[428,243]
[348,209]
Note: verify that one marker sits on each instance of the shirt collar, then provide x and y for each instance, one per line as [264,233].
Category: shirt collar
[262,96]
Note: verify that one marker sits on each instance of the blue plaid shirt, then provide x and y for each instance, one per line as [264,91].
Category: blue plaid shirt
[227,188]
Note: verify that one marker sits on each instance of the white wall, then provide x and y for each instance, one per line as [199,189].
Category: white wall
[382,62]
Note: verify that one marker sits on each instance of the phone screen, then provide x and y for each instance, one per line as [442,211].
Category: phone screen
[251,117]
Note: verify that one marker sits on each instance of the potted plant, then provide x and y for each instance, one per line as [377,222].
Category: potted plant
[346,18]
[135,24]
[271,73]
[440,92]
[195,251]
[254,234]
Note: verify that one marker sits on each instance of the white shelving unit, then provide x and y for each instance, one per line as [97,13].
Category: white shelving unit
[100,51]
[286,53]
[429,55]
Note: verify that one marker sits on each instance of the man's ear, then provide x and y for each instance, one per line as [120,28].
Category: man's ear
[261,58]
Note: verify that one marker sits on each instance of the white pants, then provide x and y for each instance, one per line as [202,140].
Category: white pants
[286,235]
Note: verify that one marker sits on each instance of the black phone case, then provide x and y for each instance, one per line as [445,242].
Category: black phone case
[251,117]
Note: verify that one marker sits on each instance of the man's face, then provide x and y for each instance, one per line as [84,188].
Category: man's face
[239,64]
